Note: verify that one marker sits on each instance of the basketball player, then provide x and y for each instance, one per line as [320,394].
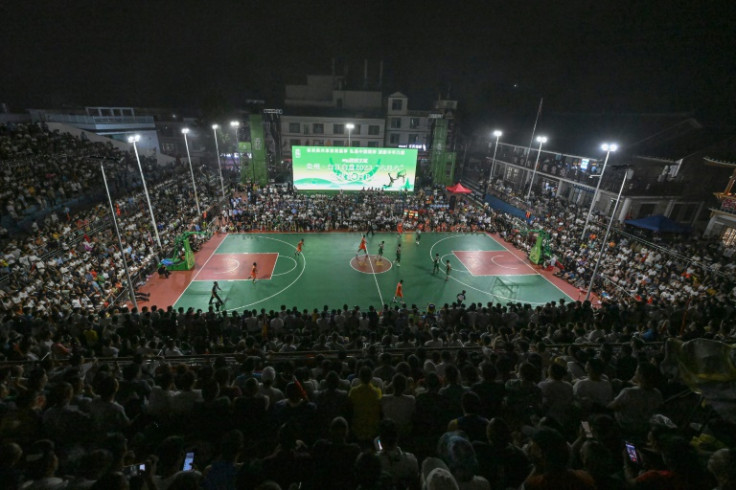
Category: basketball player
[299,247]
[399,291]
[362,246]
[254,272]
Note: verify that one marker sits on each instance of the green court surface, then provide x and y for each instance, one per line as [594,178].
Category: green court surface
[328,272]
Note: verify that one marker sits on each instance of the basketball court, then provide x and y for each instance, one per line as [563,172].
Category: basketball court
[328,272]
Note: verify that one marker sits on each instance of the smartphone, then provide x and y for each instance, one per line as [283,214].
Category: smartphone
[188,462]
[377,444]
[131,470]
[586,429]
[632,453]
[142,467]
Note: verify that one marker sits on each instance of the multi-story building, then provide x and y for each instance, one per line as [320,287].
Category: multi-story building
[672,176]
[330,130]
[321,112]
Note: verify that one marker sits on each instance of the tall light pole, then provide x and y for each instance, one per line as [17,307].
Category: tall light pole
[349,127]
[235,125]
[131,289]
[497,133]
[219,166]
[629,173]
[135,139]
[185,132]
[608,148]
[541,140]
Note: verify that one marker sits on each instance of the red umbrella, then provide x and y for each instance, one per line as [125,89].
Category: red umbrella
[458,189]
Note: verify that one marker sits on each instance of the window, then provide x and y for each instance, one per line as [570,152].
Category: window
[296,142]
[397,104]
[354,143]
[728,237]
[373,144]
[318,128]
[374,130]
[396,123]
[413,139]
[338,128]
[318,142]
[338,143]
[294,128]
[356,130]
[414,122]
[394,139]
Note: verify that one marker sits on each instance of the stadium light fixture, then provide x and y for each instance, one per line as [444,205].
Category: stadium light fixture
[497,133]
[235,125]
[134,139]
[131,289]
[541,140]
[219,165]
[349,127]
[627,175]
[185,132]
[608,148]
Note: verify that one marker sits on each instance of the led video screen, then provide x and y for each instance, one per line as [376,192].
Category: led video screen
[354,168]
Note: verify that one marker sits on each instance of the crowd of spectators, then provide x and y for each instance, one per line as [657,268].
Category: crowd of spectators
[466,396]
[475,396]
[69,256]
[684,281]
[281,209]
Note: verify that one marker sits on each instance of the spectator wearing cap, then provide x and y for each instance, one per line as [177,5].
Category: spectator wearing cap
[458,454]
[436,475]
[550,456]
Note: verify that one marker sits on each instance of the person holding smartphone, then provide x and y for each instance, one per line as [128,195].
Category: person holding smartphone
[402,466]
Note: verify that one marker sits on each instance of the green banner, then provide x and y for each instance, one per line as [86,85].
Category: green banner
[354,168]
[258,154]
[438,151]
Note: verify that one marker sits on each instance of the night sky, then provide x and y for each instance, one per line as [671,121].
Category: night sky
[496,58]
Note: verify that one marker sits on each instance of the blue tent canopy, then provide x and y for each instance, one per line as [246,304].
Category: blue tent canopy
[659,223]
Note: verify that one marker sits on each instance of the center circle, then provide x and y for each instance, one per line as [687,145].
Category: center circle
[371,264]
